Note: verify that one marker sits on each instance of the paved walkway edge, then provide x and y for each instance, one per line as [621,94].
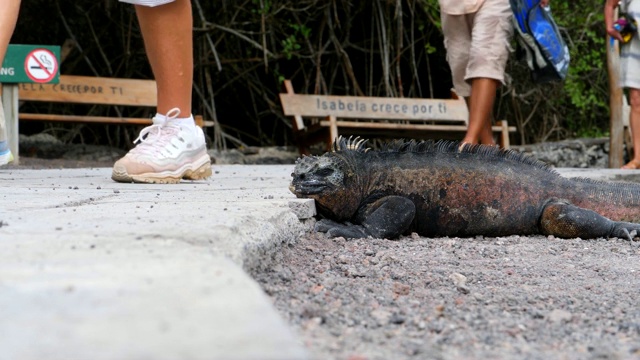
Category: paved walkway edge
[92,269]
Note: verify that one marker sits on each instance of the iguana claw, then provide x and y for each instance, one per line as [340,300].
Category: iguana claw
[336,229]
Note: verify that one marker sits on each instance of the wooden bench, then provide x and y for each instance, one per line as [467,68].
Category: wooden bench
[408,118]
[81,90]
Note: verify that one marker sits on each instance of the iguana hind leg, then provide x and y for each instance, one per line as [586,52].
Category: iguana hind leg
[386,218]
[562,219]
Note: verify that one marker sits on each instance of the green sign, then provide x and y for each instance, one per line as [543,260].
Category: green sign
[31,64]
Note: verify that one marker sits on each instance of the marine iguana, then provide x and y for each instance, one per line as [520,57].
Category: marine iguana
[440,189]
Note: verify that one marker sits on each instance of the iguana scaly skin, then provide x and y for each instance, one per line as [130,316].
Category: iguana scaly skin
[437,189]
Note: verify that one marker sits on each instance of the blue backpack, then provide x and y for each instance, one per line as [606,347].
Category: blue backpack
[540,41]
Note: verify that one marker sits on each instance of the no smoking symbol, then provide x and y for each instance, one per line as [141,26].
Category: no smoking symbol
[41,65]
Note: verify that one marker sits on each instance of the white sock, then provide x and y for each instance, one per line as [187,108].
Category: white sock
[188,121]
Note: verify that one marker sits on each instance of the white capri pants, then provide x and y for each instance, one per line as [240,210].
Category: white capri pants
[630,53]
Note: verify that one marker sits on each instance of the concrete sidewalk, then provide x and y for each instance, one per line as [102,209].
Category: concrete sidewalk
[93,269]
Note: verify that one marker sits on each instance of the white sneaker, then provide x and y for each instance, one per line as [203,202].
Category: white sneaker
[166,153]
[5,157]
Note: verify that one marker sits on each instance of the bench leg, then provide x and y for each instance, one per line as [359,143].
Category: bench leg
[333,131]
[504,135]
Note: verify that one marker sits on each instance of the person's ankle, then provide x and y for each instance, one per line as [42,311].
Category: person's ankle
[181,121]
[185,122]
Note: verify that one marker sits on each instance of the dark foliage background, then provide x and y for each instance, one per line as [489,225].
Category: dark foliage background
[244,49]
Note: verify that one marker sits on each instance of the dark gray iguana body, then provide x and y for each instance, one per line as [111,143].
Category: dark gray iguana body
[435,189]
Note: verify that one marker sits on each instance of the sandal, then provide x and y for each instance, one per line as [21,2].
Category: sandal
[632,165]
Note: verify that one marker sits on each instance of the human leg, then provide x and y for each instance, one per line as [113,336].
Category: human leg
[488,57]
[5,153]
[634,123]
[630,79]
[168,41]
[172,148]
[8,17]
[483,92]
[457,41]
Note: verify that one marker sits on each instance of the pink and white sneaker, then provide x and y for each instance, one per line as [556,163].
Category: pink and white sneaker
[167,152]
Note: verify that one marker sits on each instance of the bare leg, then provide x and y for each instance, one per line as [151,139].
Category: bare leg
[168,40]
[634,123]
[8,17]
[173,148]
[483,93]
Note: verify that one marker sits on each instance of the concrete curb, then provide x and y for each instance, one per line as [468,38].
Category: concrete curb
[616,175]
[90,268]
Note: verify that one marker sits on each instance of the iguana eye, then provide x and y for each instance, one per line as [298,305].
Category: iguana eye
[325,172]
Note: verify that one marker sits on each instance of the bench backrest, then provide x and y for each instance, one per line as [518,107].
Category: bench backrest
[93,90]
[356,107]
[333,115]
[374,107]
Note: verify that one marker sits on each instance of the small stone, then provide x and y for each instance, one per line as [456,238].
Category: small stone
[401,289]
[559,315]
[458,279]
[397,319]
[382,317]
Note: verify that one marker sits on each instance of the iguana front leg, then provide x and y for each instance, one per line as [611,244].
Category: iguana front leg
[386,218]
[562,219]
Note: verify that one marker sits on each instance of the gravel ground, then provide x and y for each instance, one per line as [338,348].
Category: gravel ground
[511,297]
[450,298]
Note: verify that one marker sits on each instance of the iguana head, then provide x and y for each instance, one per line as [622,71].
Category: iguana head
[331,180]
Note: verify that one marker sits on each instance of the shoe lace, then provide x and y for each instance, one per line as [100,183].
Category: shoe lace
[154,139]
